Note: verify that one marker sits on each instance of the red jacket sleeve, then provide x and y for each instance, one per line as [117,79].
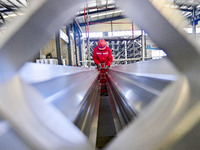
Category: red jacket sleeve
[110,58]
[95,56]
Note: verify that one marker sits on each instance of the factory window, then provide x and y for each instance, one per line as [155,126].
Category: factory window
[124,33]
[189,30]
[93,34]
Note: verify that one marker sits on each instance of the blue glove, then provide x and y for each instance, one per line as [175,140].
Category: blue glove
[106,67]
[99,66]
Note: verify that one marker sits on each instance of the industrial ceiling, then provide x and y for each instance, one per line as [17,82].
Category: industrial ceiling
[10,9]
[186,2]
[98,10]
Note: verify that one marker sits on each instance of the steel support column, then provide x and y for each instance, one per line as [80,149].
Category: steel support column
[103,20]
[143,45]
[112,28]
[68,46]
[75,43]
[194,22]
[88,47]
[58,49]
[79,47]
[132,30]
[125,46]
[79,32]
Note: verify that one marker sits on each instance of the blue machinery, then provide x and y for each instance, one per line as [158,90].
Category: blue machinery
[41,105]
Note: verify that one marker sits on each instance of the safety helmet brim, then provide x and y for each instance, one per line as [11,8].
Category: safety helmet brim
[102,48]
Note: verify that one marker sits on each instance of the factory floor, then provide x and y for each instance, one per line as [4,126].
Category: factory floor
[106,128]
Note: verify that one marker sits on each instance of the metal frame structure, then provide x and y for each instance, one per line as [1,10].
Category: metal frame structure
[58,50]
[68,45]
[124,50]
[192,13]
[172,117]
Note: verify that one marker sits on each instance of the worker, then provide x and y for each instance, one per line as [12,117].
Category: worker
[102,57]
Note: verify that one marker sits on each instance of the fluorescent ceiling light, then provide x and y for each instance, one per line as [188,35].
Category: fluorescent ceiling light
[125,33]
[114,33]
[108,13]
[11,15]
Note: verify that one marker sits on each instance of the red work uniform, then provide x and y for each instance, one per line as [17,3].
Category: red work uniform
[104,57]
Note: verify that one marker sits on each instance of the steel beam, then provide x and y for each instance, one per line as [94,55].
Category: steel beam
[194,22]
[115,38]
[125,49]
[20,3]
[12,3]
[103,20]
[187,10]
[143,45]
[68,46]
[2,17]
[10,8]
[79,47]
[58,49]
[111,27]
[99,11]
